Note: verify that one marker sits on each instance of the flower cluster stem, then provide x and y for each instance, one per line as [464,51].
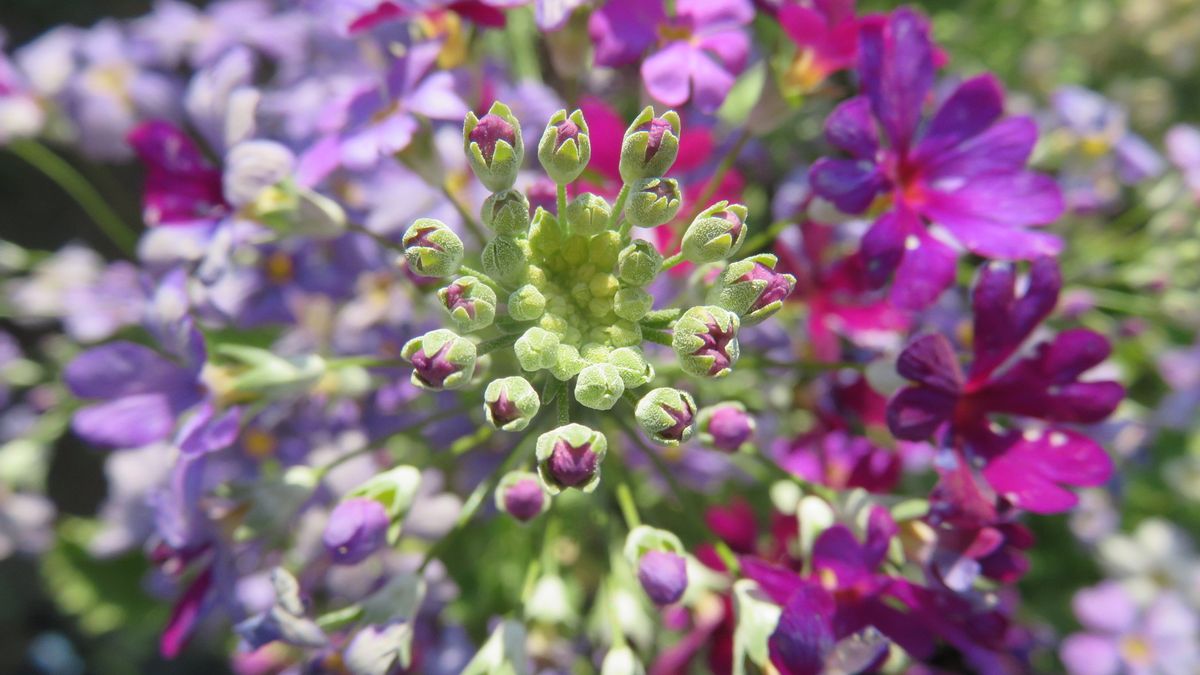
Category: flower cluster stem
[77,186]
[618,207]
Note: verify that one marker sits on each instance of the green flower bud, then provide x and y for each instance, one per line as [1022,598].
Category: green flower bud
[494,147]
[599,386]
[639,263]
[752,289]
[545,236]
[505,260]
[470,302]
[632,304]
[631,363]
[510,403]
[441,360]
[520,495]
[537,349]
[265,373]
[395,488]
[653,202]
[667,415]
[705,340]
[432,249]
[526,303]
[588,214]
[717,233]
[650,146]
[507,213]
[570,456]
[569,363]
[565,147]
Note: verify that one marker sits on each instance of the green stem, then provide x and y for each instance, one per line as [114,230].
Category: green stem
[763,239]
[562,206]
[77,186]
[672,261]
[468,219]
[564,404]
[488,346]
[618,207]
[660,318]
[628,506]
[383,241]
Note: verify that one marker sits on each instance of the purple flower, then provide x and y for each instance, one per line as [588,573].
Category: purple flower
[182,187]
[380,120]
[728,425]
[357,528]
[663,576]
[571,465]
[524,499]
[841,461]
[1102,127]
[697,53]
[964,169]
[1029,467]
[1183,147]
[1121,637]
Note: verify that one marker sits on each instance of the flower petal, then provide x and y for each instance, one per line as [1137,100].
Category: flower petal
[930,360]
[970,109]
[915,413]
[803,636]
[896,68]
[927,269]
[850,184]
[666,73]
[996,200]
[850,128]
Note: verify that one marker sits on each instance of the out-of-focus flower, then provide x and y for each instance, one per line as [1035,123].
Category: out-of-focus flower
[1183,148]
[826,37]
[964,170]
[1123,635]
[1157,557]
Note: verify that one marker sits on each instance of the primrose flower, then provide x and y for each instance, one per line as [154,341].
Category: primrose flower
[964,170]
[1027,467]
[696,53]
[1121,636]
[826,37]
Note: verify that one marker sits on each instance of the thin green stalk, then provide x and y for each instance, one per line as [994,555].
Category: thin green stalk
[618,207]
[77,186]
[657,336]
[764,239]
[672,261]
[564,404]
[471,271]
[660,318]
[488,346]
[561,206]
[628,506]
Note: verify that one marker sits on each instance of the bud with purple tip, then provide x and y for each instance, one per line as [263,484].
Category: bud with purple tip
[726,426]
[441,360]
[494,147]
[650,146]
[716,233]
[470,302]
[520,495]
[510,403]
[356,528]
[661,567]
[570,456]
[705,340]
[752,289]
[653,202]
[432,249]
[667,415]
[566,146]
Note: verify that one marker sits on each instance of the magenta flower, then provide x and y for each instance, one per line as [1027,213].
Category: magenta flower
[696,53]
[182,187]
[826,37]
[1026,467]
[964,170]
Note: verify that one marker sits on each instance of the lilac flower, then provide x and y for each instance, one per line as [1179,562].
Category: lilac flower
[1122,637]
[964,170]
[697,52]
[663,575]
[1183,147]
[21,113]
[381,119]
[1102,127]
[1025,467]
[356,529]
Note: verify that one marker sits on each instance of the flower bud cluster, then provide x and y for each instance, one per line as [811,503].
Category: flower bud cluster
[568,290]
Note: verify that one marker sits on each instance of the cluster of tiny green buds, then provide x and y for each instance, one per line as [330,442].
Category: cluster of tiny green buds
[432,249]
[705,340]
[752,289]
[566,147]
[570,457]
[716,233]
[470,302]
[653,202]
[441,359]
[667,415]
[494,147]
[510,403]
[507,213]
[567,289]
[650,145]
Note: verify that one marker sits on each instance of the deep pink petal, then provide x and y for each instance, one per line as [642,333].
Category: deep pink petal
[930,360]
[778,583]
[839,552]
[969,110]
[1002,321]
[1004,148]
[185,615]
[927,269]
[1031,472]
[1001,200]
[896,69]
[915,413]
[850,128]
